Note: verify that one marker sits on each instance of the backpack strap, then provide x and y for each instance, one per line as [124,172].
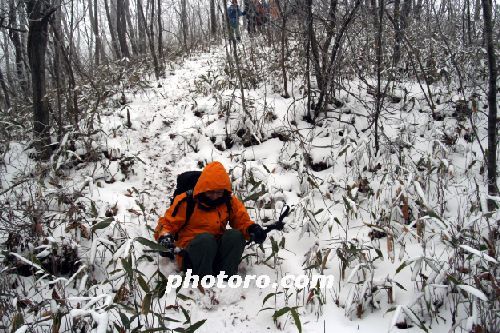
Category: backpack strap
[191,203]
[228,205]
[189,209]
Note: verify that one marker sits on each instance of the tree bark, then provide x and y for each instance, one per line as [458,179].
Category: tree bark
[72,93]
[321,64]
[283,13]
[58,70]
[378,50]
[309,22]
[184,24]
[150,38]
[477,16]
[492,104]
[397,40]
[160,32]
[121,26]
[213,19]
[133,38]
[327,71]
[95,29]
[73,50]
[4,90]
[112,31]
[469,23]
[141,24]
[6,52]
[18,48]
[39,12]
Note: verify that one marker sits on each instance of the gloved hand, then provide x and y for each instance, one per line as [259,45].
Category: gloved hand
[167,241]
[257,234]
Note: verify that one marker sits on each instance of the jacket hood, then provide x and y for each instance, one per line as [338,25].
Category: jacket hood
[213,177]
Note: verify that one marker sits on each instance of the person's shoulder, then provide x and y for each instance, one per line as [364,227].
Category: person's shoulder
[235,200]
[179,199]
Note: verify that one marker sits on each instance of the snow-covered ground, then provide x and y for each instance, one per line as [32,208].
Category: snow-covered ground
[181,125]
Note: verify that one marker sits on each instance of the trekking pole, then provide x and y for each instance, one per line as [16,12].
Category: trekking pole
[279,225]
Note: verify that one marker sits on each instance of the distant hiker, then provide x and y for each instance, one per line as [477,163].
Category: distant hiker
[201,230]
[233,14]
[274,12]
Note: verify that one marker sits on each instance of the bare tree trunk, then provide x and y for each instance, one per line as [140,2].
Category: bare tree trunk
[72,94]
[477,16]
[321,64]
[6,51]
[213,19]
[141,24]
[309,22]
[121,25]
[225,33]
[58,71]
[39,12]
[93,14]
[327,67]
[4,90]
[133,38]
[378,50]
[184,23]
[152,30]
[112,31]
[469,23]
[492,104]
[283,13]
[150,35]
[160,32]
[152,40]
[397,40]
[18,47]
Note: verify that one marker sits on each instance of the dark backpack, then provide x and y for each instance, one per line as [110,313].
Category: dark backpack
[186,182]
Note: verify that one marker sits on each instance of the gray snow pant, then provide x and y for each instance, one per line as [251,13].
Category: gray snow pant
[207,255]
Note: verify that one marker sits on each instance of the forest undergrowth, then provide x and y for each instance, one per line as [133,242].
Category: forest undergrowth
[405,230]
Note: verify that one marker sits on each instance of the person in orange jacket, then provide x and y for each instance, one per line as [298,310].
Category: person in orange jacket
[208,246]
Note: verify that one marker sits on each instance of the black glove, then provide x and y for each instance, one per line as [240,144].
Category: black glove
[167,241]
[257,234]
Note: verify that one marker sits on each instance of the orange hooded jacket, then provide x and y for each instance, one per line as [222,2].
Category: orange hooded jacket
[214,221]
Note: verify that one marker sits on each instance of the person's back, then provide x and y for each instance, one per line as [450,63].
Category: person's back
[233,15]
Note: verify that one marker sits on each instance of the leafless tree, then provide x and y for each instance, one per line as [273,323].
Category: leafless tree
[121,24]
[492,103]
[39,12]
[213,18]
[18,47]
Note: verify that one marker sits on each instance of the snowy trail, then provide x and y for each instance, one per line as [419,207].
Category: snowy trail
[166,138]
[162,121]
[181,124]
[156,115]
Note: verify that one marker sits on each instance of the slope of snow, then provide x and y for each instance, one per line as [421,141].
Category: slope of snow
[180,125]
